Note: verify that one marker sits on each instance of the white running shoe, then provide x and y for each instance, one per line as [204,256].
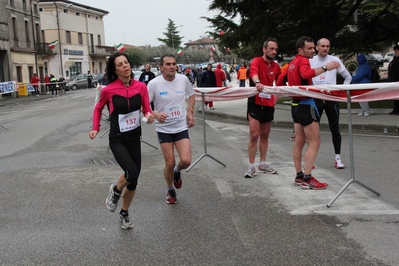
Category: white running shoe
[339,164]
[265,168]
[251,172]
[126,222]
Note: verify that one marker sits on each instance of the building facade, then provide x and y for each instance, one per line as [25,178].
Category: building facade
[19,37]
[79,30]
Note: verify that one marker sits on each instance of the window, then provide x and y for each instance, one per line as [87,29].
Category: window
[37,26]
[14,28]
[43,36]
[80,38]
[65,10]
[27,31]
[12,3]
[24,5]
[35,8]
[99,39]
[19,74]
[89,16]
[101,66]
[30,71]
[41,9]
[77,14]
[68,36]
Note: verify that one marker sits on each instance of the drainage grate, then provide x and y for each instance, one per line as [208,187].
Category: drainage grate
[103,161]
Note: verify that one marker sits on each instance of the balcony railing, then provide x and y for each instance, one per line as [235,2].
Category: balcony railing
[98,50]
[44,49]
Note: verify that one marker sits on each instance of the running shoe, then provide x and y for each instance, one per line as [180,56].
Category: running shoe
[298,181]
[360,113]
[293,136]
[251,172]
[112,200]
[177,182]
[339,164]
[265,168]
[171,197]
[313,183]
[126,223]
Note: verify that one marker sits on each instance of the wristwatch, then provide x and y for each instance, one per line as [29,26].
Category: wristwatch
[324,68]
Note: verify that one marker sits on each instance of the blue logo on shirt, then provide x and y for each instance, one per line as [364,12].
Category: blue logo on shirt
[163,93]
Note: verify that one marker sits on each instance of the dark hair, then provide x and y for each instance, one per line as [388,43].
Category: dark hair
[396,47]
[266,43]
[300,43]
[166,55]
[110,69]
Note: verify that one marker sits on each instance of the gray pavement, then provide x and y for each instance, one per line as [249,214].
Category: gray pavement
[54,181]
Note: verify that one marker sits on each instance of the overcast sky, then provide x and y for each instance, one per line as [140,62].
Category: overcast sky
[141,22]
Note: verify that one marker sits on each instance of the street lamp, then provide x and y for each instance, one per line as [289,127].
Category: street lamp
[59,38]
[173,44]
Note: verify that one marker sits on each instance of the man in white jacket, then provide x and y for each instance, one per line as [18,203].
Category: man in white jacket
[331,107]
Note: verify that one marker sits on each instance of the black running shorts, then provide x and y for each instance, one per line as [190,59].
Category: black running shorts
[165,137]
[261,113]
[304,114]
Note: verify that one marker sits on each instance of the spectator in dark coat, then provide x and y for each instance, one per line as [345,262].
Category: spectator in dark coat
[208,80]
[393,76]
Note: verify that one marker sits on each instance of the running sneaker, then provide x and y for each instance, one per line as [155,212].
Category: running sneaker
[265,168]
[126,223]
[293,136]
[177,182]
[360,113]
[112,200]
[298,181]
[171,197]
[339,164]
[313,183]
[251,172]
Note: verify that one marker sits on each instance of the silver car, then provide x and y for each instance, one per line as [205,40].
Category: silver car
[81,82]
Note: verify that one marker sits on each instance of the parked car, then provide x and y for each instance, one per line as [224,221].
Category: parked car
[81,82]
[375,59]
[136,74]
[389,56]
[155,71]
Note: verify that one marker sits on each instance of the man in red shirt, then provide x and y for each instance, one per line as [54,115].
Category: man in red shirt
[304,113]
[47,83]
[35,80]
[260,108]
[219,75]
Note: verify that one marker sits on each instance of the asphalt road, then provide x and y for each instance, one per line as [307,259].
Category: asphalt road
[54,181]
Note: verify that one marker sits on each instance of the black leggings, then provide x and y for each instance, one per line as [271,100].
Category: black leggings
[128,155]
[332,112]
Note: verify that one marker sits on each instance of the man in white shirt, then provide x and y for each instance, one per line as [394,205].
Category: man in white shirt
[331,107]
[169,92]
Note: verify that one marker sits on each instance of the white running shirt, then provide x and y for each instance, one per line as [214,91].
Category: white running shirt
[330,76]
[170,97]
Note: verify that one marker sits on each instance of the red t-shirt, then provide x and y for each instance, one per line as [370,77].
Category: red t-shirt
[267,73]
[299,71]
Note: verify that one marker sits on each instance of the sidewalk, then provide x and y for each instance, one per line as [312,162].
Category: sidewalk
[377,121]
